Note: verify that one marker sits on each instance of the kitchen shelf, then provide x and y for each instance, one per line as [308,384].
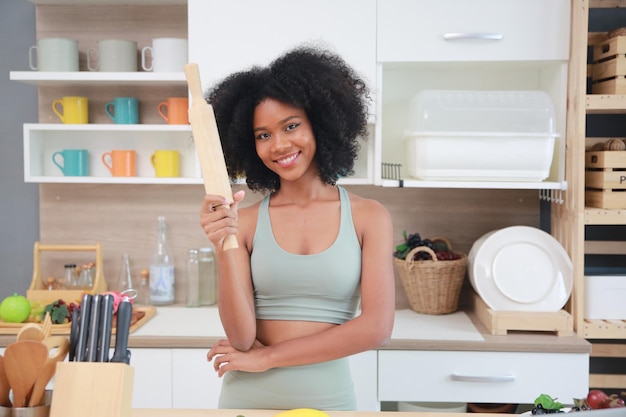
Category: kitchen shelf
[500,185]
[94,78]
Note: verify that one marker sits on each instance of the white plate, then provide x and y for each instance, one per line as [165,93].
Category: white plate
[521,268]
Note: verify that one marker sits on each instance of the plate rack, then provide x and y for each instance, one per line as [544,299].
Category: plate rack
[499,323]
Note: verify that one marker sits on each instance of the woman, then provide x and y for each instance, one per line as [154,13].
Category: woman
[310,253]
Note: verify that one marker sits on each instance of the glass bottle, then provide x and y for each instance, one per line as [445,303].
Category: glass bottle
[192,285]
[143,294]
[162,268]
[207,276]
[125,279]
[70,280]
[85,280]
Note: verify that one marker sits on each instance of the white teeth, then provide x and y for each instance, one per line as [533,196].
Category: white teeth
[288,160]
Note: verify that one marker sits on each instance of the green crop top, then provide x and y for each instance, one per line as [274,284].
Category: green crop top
[322,287]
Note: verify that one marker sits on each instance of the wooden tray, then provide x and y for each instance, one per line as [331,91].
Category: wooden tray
[141,315]
[499,323]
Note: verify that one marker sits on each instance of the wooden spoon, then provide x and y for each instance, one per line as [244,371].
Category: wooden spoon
[23,360]
[58,347]
[31,331]
[46,327]
[4,386]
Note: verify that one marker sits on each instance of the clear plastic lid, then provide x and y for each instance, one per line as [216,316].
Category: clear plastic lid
[481,111]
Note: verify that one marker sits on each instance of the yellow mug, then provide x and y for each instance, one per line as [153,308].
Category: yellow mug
[166,163]
[73,109]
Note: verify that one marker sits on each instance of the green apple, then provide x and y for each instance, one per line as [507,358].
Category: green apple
[14,309]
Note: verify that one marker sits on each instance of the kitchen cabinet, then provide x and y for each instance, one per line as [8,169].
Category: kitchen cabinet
[571,219]
[456,45]
[509,377]
[182,378]
[88,22]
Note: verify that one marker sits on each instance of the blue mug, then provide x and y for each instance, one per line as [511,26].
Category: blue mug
[74,162]
[123,110]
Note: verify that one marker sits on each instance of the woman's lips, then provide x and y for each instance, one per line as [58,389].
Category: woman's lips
[288,160]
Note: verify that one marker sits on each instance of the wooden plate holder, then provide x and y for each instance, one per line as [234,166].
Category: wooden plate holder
[95,389]
[37,291]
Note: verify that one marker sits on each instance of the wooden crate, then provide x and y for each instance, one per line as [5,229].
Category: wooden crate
[609,68]
[605,179]
[499,323]
[37,291]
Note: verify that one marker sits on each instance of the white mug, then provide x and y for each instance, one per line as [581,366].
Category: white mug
[54,54]
[168,55]
[113,55]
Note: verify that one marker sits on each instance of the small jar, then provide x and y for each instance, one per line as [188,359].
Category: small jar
[192,285]
[207,276]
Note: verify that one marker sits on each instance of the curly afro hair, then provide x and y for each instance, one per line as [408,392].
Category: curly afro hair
[319,82]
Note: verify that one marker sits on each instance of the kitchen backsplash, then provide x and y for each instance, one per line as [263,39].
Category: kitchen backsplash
[123,218]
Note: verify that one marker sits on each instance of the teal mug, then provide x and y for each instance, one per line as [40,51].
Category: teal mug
[123,110]
[73,163]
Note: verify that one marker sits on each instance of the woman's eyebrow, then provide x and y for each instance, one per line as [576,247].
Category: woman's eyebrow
[283,121]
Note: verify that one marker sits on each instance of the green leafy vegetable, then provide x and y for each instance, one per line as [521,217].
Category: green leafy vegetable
[58,312]
[548,403]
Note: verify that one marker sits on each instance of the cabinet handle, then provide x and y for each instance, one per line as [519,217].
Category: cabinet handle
[454,36]
[475,378]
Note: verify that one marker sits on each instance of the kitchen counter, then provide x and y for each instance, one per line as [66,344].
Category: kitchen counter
[182,327]
[144,412]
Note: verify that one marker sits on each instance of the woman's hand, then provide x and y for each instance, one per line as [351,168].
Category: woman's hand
[218,217]
[226,358]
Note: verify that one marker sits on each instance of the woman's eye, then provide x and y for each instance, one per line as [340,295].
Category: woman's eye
[263,136]
[292,126]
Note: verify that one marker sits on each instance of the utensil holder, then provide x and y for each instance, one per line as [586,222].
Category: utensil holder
[37,291]
[95,389]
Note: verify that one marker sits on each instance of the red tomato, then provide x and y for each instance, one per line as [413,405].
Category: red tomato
[597,399]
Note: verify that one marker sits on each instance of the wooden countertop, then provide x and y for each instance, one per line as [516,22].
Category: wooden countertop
[272,413]
[180,327]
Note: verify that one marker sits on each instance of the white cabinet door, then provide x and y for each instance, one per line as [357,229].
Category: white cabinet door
[228,36]
[515,377]
[480,30]
[196,384]
[153,378]
[364,368]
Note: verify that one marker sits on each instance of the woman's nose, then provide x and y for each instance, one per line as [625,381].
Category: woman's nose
[280,142]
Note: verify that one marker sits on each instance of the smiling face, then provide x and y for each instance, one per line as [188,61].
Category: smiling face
[284,139]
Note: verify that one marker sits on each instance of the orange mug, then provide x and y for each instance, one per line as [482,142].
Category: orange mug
[121,163]
[174,110]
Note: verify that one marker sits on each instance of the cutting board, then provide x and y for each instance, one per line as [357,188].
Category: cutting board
[141,315]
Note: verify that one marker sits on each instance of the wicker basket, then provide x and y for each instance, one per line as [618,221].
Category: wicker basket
[432,286]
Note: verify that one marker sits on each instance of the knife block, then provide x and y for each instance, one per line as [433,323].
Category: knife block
[95,389]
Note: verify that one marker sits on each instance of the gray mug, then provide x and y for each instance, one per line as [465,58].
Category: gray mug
[54,54]
[115,55]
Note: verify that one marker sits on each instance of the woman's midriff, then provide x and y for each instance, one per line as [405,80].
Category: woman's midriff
[271,332]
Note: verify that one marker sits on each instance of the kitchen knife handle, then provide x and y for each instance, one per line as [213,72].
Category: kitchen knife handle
[104,338]
[83,327]
[122,329]
[94,319]
[74,333]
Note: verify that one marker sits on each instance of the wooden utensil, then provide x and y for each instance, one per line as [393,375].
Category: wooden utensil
[4,386]
[31,331]
[23,360]
[47,325]
[58,348]
[208,145]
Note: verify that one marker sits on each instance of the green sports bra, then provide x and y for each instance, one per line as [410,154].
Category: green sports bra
[322,287]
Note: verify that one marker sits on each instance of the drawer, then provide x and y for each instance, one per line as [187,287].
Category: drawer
[451,376]
[479,30]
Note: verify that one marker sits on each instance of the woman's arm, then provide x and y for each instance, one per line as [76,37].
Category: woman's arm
[235,297]
[372,328]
